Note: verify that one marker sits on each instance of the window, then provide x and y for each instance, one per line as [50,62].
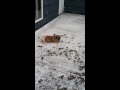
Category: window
[38,10]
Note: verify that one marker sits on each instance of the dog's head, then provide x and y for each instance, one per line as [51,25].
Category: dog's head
[57,37]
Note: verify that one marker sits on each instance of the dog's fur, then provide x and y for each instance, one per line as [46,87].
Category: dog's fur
[51,39]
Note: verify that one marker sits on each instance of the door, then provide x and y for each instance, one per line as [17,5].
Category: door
[61,6]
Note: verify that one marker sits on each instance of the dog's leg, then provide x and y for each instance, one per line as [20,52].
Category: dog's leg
[43,39]
[56,42]
[43,42]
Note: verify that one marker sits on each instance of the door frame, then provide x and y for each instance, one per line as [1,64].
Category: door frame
[61,7]
[41,13]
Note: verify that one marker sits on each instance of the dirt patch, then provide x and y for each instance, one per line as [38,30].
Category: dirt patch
[71,77]
[40,46]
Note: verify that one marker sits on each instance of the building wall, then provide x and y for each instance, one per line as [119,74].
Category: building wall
[50,11]
[75,6]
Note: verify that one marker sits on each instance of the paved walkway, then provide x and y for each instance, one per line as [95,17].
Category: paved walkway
[62,66]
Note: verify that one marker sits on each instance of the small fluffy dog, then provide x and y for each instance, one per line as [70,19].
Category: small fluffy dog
[50,39]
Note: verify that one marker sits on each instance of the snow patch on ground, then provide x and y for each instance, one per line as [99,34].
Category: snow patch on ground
[61,66]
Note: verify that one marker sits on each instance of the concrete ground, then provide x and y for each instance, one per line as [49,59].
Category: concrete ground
[61,66]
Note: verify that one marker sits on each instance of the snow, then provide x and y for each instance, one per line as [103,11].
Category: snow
[61,66]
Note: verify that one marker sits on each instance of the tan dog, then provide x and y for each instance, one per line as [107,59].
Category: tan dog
[50,39]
